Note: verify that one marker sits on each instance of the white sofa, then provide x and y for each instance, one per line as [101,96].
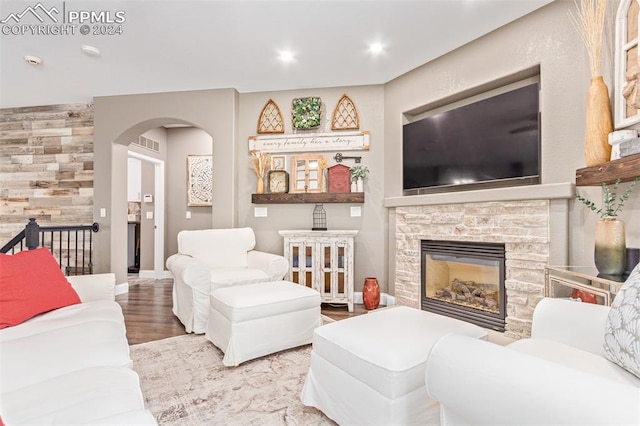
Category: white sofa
[559,376]
[71,365]
[209,259]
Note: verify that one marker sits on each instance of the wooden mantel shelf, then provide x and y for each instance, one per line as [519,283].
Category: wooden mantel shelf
[348,197]
[626,169]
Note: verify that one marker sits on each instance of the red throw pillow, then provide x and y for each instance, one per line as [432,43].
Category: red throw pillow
[31,283]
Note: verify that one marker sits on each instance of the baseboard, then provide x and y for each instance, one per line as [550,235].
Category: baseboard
[385,299]
[122,288]
[152,275]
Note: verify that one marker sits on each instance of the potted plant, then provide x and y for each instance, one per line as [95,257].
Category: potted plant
[358,173]
[610,241]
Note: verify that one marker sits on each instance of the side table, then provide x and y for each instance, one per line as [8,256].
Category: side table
[561,281]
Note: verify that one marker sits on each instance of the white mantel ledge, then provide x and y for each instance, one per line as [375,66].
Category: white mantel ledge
[551,191]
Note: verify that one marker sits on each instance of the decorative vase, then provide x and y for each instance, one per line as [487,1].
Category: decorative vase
[359,185]
[610,246]
[354,186]
[260,186]
[371,293]
[598,124]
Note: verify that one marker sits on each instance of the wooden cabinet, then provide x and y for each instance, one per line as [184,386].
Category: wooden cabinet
[322,260]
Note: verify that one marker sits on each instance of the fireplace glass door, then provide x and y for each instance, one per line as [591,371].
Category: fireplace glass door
[465,285]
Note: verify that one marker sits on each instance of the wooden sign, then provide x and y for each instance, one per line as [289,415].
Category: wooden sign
[310,142]
[339,178]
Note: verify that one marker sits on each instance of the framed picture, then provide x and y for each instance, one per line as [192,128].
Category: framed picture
[199,180]
[278,162]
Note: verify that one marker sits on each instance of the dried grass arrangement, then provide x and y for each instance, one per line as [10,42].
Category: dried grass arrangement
[260,163]
[589,22]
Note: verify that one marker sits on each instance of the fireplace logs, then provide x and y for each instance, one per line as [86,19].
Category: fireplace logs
[469,293]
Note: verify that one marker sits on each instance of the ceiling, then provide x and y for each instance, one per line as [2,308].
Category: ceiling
[171,45]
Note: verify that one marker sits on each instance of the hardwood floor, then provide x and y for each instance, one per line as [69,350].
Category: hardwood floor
[148,316]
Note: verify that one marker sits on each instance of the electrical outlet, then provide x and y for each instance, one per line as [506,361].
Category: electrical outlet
[356,211]
[103,212]
[188,215]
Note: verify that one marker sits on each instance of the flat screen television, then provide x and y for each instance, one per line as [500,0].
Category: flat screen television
[493,142]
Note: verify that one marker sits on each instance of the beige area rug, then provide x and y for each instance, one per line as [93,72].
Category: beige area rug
[184,383]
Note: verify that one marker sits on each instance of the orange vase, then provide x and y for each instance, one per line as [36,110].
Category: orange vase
[371,293]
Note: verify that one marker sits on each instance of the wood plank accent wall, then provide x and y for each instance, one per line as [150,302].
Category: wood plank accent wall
[46,166]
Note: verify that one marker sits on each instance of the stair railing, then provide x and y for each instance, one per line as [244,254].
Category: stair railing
[72,246]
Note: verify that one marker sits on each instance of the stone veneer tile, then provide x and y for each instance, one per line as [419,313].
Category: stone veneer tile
[523,226]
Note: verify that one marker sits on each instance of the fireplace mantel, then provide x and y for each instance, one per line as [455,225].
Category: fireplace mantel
[550,191]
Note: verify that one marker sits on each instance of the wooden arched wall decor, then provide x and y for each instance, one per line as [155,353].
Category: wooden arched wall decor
[345,115]
[270,120]
[627,78]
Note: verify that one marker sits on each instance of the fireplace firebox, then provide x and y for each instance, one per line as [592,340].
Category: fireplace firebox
[464,280]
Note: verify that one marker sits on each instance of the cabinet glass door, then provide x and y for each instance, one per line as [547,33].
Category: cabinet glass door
[308,266]
[340,270]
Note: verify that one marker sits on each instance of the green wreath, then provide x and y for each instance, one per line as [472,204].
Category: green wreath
[306,113]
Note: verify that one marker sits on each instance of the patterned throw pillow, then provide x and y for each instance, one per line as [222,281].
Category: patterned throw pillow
[622,328]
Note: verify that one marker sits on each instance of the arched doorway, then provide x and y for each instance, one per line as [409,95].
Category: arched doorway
[119,120]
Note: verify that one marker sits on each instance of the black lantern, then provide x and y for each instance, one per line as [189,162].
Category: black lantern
[319,218]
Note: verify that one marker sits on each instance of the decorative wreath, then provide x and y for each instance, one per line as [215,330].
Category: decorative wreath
[306,113]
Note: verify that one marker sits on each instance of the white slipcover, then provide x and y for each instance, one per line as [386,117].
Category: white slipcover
[369,369]
[254,320]
[71,365]
[208,259]
[558,376]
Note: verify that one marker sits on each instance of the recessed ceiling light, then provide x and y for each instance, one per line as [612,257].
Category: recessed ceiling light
[286,56]
[90,50]
[376,48]
[32,60]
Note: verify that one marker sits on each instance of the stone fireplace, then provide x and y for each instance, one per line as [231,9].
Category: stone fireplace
[522,220]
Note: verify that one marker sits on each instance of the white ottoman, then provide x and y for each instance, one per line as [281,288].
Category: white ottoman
[252,320]
[370,369]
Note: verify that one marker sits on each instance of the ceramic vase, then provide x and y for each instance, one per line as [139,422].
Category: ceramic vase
[371,293]
[359,185]
[610,246]
[598,124]
[354,186]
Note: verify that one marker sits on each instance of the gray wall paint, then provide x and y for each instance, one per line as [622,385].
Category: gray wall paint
[119,119]
[544,38]
[180,143]
[370,255]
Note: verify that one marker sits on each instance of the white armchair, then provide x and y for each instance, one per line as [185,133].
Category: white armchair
[560,376]
[213,258]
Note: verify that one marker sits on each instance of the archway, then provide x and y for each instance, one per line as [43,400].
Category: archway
[120,119]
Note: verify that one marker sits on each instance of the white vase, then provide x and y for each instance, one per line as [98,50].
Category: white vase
[359,185]
[354,187]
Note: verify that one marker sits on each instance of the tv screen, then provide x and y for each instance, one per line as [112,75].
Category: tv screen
[492,141]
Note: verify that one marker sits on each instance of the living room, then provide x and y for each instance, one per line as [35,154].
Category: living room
[542,44]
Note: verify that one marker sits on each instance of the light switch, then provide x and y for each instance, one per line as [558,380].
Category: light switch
[149,215]
[260,212]
[356,211]
[103,212]
[188,215]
